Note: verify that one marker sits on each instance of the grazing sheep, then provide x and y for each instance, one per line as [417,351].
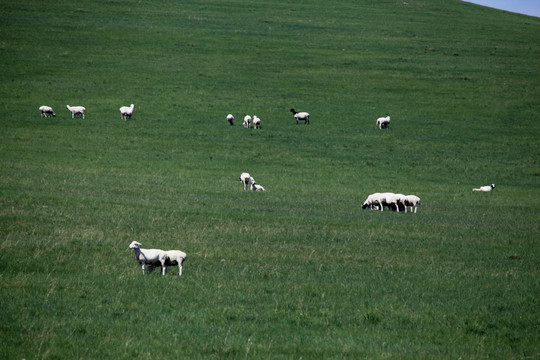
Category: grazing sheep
[247,121]
[76,110]
[230,119]
[380,200]
[256,187]
[372,201]
[126,111]
[150,257]
[383,122]
[247,180]
[46,111]
[256,122]
[300,116]
[413,201]
[173,258]
[485,188]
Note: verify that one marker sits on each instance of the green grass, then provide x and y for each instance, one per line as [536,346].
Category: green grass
[300,271]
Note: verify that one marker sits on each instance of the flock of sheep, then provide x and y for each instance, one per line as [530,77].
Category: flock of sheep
[158,257]
[47,111]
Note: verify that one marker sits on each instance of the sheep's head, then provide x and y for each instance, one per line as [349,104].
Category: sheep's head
[134,245]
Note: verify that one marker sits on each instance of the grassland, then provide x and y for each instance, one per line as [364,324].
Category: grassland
[300,271]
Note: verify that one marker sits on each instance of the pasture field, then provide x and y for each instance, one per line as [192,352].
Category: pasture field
[299,271]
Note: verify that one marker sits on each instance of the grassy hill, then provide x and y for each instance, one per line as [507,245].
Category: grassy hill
[300,271]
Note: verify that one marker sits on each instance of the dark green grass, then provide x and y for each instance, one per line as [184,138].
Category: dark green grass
[300,271]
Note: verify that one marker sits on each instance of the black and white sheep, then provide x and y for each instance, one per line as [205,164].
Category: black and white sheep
[126,112]
[383,122]
[46,111]
[230,119]
[485,188]
[413,201]
[300,116]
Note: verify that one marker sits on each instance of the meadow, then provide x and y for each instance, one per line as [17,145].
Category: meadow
[299,271]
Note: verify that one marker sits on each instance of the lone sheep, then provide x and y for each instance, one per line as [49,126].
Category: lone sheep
[126,112]
[230,119]
[300,116]
[383,122]
[485,188]
[76,110]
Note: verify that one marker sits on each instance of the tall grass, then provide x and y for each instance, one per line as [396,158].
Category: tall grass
[300,271]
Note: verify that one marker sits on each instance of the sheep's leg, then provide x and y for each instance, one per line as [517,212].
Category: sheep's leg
[415,208]
[179,269]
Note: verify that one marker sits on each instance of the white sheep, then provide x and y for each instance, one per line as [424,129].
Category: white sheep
[256,122]
[46,111]
[247,180]
[300,116]
[76,110]
[126,111]
[150,257]
[230,119]
[413,201]
[256,187]
[485,188]
[247,121]
[173,258]
[383,122]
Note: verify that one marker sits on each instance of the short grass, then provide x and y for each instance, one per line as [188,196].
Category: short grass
[300,271]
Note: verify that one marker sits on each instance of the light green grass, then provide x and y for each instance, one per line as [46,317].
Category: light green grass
[300,271]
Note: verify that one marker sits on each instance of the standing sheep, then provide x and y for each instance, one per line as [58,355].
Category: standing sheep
[46,111]
[413,201]
[126,111]
[383,122]
[150,257]
[256,122]
[173,258]
[300,116]
[247,121]
[76,110]
[230,119]
[247,180]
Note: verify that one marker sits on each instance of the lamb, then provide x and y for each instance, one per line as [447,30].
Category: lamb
[247,180]
[247,121]
[256,187]
[300,116]
[256,122]
[230,119]
[76,110]
[383,122]
[150,257]
[485,188]
[126,111]
[413,201]
[46,111]
[173,258]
